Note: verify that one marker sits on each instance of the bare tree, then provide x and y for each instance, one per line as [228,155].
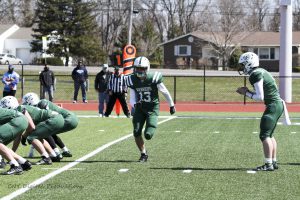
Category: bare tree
[258,10]
[230,27]
[296,15]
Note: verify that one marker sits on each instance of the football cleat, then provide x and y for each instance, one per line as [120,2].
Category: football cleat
[143,158]
[265,167]
[26,166]
[2,164]
[44,161]
[55,159]
[14,170]
[67,154]
[275,165]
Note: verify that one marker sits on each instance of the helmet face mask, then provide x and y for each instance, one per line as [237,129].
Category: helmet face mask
[9,102]
[141,67]
[248,61]
[31,99]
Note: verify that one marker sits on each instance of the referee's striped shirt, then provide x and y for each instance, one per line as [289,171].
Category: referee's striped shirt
[116,85]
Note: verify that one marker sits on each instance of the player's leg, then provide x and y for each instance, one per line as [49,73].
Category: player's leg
[138,121]
[151,123]
[65,151]
[15,168]
[267,126]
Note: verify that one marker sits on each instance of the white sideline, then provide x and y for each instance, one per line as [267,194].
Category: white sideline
[68,166]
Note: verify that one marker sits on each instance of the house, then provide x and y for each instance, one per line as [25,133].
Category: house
[195,49]
[16,41]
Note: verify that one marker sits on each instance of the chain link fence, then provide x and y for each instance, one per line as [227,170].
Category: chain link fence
[194,89]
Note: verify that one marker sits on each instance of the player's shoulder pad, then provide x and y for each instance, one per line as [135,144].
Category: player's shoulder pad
[156,77]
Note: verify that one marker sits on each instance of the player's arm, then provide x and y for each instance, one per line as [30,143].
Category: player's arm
[162,88]
[258,93]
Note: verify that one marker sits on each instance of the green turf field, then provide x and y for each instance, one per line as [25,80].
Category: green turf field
[192,156]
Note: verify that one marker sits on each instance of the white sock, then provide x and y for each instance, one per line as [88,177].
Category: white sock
[45,154]
[274,160]
[56,150]
[268,160]
[53,154]
[144,151]
[0,157]
[22,160]
[14,162]
[65,149]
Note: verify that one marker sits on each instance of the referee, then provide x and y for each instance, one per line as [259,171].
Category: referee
[116,90]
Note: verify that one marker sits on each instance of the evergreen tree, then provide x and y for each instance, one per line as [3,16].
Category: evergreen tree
[72,26]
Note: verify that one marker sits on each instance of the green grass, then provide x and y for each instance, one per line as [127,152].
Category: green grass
[218,150]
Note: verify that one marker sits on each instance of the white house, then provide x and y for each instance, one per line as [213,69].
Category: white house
[16,41]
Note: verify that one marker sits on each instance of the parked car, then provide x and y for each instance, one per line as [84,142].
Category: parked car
[10,59]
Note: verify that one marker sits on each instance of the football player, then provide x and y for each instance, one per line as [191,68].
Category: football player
[145,99]
[12,125]
[70,120]
[41,124]
[264,89]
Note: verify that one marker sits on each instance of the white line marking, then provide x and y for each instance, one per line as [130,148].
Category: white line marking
[123,170]
[293,132]
[187,171]
[254,132]
[251,172]
[70,165]
[217,132]
[55,168]
[177,131]
[101,130]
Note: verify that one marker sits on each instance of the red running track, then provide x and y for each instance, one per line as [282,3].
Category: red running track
[190,107]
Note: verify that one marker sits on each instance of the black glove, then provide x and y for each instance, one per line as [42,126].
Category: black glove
[23,140]
[172,110]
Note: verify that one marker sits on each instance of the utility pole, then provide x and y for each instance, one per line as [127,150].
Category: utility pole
[285,63]
[130,22]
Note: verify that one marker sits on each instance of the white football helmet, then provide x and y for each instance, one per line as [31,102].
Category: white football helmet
[31,99]
[249,61]
[141,66]
[9,102]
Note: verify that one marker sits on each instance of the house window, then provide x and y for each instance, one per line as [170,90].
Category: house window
[265,53]
[182,50]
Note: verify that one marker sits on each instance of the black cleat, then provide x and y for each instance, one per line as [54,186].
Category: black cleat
[143,158]
[44,161]
[14,170]
[2,164]
[275,165]
[265,167]
[67,154]
[55,159]
[26,166]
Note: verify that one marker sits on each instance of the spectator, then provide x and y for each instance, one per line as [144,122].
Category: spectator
[101,82]
[117,90]
[47,82]
[80,76]
[10,80]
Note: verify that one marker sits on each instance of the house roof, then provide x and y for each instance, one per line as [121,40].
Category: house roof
[4,27]
[243,38]
[22,34]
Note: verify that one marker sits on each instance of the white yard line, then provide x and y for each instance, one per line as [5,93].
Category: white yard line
[68,166]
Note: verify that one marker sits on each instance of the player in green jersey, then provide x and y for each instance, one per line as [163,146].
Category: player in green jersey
[70,120]
[41,124]
[12,125]
[265,89]
[145,99]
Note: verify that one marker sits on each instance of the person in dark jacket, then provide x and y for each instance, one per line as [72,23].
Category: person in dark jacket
[47,82]
[101,82]
[80,76]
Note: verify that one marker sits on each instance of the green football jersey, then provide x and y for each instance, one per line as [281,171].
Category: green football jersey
[8,114]
[51,106]
[38,115]
[146,90]
[271,92]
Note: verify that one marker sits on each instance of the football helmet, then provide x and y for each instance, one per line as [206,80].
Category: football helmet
[9,102]
[141,66]
[249,62]
[31,99]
